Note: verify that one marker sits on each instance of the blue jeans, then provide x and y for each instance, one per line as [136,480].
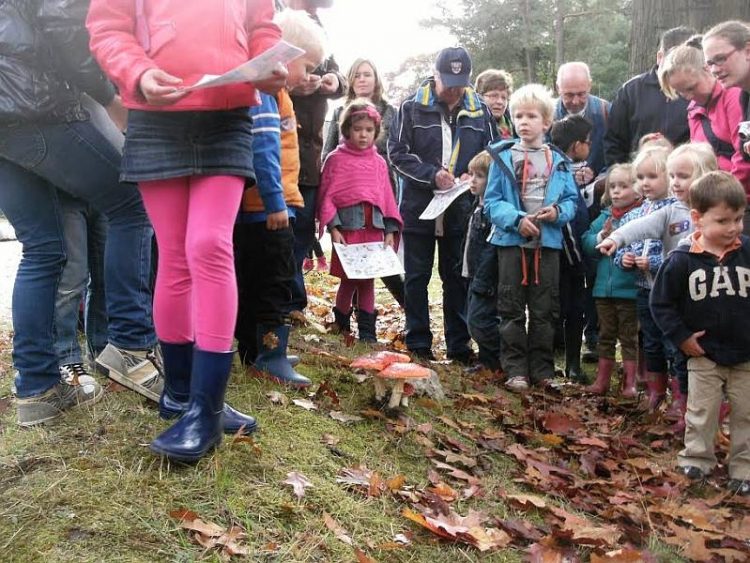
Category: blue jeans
[419,257]
[656,348]
[304,238]
[85,234]
[36,163]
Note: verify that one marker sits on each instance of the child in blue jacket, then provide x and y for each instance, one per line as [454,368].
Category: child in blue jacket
[531,195]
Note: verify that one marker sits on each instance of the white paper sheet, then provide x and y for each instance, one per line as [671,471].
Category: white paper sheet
[259,68]
[368,260]
[442,199]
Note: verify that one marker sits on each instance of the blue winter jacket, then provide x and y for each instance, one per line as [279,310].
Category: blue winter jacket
[422,141]
[611,281]
[502,201]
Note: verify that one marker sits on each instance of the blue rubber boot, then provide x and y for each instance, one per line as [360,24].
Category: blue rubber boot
[199,430]
[178,363]
[272,360]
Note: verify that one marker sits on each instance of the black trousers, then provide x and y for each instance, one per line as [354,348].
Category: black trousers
[264,264]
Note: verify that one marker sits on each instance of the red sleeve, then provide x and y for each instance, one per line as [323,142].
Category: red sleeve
[735,114]
[262,32]
[111,25]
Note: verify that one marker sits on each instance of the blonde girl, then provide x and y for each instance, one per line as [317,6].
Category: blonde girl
[614,289]
[645,257]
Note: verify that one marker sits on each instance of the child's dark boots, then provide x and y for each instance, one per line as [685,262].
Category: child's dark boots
[366,326]
[174,400]
[200,428]
[272,359]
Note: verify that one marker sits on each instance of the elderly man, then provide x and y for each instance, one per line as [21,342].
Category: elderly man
[574,87]
[434,136]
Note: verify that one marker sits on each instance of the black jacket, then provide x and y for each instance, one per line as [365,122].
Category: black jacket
[45,62]
[480,255]
[416,150]
[639,108]
[694,292]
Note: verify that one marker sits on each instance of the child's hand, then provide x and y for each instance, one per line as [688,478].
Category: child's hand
[444,180]
[278,220]
[389,240]
[583,175]
[547,214]
[607,247]
[337,236]
[690,347]
[275,82]
[329,84]
[527,228]
[641,262]
[628,260]
[160,88]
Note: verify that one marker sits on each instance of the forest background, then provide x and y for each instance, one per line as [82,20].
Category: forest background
[531,38]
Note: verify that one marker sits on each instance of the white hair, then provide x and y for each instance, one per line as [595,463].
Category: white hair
[572,68]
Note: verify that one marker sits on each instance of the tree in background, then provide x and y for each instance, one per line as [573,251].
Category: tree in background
[652,17]
[521,37]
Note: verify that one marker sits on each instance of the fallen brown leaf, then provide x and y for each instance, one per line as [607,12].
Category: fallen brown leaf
[305,404]
[337,529]
[298,482]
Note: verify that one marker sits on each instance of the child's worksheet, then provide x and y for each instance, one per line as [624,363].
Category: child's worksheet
[442,199]
[368,260]
[259,68]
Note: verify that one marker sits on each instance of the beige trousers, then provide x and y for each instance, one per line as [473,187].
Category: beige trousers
[705,382]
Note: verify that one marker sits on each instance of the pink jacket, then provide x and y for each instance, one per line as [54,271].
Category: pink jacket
[187,39]
[725,112]
[351,176]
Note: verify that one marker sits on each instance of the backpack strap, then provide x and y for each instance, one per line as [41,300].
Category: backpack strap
[721,148]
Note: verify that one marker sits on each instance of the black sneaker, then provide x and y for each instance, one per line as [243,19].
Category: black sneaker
[463,358]
[739,487]
[423,354]
[692,472]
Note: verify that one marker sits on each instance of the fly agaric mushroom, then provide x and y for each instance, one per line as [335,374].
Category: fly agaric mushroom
[378,361]
[398,374]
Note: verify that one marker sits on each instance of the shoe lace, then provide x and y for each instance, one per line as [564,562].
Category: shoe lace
[154,357]
[72,373]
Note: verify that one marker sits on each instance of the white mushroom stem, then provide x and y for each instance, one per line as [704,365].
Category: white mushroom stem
[380,388]
[398,391]
[405,401]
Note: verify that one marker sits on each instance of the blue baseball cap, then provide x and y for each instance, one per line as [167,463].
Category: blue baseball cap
[454,66]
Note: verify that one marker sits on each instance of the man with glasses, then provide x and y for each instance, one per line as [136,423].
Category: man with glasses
[640,107]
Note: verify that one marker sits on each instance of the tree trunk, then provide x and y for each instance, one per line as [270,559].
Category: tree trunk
[653,17]
[530,63]
[559,34]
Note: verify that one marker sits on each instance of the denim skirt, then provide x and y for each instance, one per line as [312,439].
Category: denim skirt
[171,144]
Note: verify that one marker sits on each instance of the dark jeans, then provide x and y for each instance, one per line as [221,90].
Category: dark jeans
[304,238]
[264,263]
[484,326]
[590,314]
[35,162]
[528,352]
[573,298]
[85,233]
[655,346]
[419,257]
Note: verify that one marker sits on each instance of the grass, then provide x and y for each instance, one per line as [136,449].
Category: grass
[87,488]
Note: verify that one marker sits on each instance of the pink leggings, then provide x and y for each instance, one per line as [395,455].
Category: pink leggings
[195,299]
[365,295]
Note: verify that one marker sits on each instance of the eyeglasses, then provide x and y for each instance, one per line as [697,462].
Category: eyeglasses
[720,60]
[494,96]
[573,95]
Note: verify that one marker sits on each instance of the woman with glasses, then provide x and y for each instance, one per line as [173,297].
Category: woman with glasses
[726,47]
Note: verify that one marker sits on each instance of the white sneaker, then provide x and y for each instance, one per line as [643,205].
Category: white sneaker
[77,374]
[517,384]
[138,370]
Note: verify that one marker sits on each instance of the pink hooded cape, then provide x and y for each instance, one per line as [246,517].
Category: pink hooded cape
[352,176]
